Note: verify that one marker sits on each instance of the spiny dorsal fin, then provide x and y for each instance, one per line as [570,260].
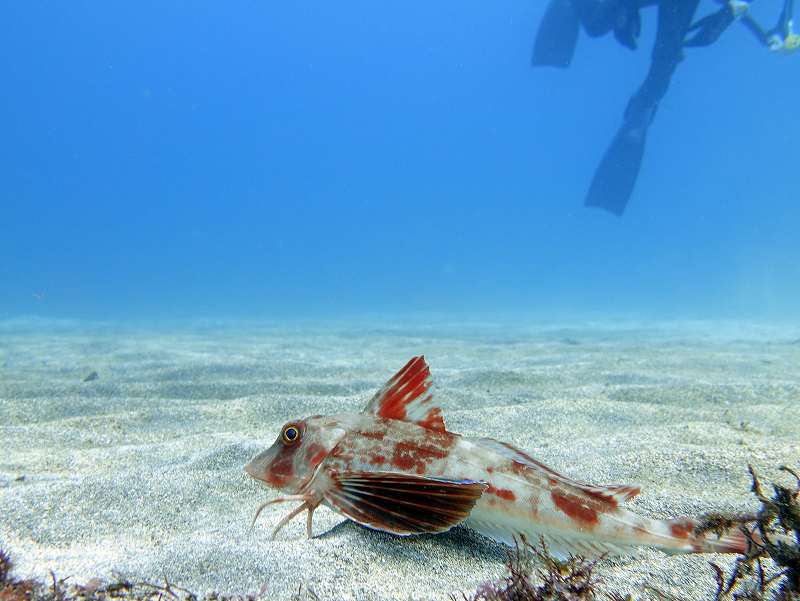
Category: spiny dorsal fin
[405,397]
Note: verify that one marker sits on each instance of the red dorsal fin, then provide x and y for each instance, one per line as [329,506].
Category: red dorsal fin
[402,503]
[406,397]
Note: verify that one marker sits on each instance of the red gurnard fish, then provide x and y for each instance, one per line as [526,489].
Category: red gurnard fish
[395,467]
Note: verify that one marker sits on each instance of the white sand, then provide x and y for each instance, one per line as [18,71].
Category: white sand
[139,473]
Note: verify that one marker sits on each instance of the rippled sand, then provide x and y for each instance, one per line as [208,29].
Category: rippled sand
[139,472]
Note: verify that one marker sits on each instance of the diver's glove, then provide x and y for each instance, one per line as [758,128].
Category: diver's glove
[786,44]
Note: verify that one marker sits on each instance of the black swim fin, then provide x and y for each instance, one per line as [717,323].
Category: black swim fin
[557,35]
[616,175]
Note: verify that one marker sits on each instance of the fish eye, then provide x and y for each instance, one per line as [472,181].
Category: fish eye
[290,434]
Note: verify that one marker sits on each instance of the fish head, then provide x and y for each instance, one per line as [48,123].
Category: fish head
[292,460]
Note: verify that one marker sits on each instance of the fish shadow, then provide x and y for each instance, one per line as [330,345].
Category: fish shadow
[458,542]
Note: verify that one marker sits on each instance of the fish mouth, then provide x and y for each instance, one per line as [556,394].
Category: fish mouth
[258,467]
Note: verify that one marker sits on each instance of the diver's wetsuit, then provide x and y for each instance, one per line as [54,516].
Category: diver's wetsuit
[674,18]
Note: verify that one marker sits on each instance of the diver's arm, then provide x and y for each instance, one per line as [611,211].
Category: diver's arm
[785,21]
[708,30]
[753,27]
[782,37]
[775,38]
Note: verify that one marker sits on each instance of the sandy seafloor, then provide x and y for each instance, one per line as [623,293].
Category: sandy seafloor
[139,473]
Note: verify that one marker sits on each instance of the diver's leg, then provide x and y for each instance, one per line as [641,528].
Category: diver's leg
[674,18]
[755,28]
[615,177]
[786,15]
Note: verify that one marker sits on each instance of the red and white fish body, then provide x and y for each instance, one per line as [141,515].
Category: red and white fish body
[396,468]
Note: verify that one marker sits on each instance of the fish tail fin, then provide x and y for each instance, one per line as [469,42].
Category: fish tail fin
[688,540]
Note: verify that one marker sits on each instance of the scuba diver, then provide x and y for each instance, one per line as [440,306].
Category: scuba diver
[557,37]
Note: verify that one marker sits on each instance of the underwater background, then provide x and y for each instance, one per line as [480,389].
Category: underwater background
[219,216]
[315,159]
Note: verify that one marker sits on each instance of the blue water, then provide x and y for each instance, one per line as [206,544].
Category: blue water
[250,159]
